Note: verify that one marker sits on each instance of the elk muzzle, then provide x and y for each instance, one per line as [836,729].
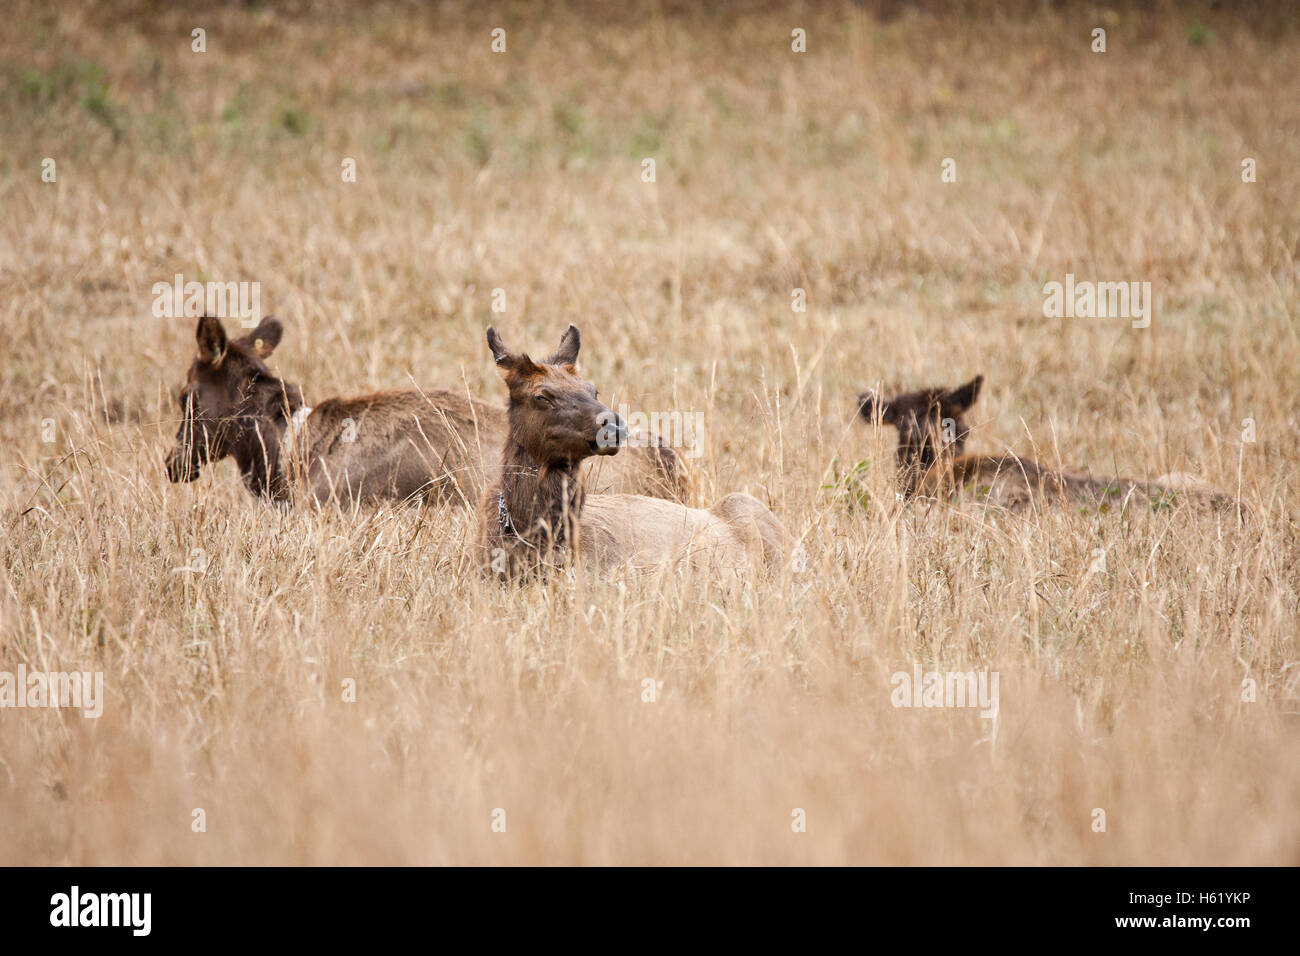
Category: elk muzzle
[181,466]
[611,434]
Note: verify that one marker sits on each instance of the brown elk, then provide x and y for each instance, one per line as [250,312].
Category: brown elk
[394,445]
[538,515]
[932,461]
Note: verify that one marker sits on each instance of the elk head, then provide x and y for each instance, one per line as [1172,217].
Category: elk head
[555,415]
[231,403]
[930,426]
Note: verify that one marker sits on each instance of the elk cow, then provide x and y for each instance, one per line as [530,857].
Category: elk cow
[537,513]
[932,461]
[394,445]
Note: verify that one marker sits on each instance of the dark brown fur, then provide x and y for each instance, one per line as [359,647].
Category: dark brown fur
[555,421]
[232,405]
[932,461]
[394,445]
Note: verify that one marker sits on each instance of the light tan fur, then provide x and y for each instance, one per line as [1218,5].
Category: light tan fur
[1015,483]
[739,533]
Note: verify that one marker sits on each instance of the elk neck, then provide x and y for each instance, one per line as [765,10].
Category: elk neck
[541,506]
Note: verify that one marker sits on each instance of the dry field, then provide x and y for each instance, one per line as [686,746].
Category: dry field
[1121,689]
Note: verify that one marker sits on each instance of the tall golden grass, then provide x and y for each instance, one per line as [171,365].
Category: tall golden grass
[1120,690]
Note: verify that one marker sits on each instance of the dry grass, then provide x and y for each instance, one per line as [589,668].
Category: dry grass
[1119,691]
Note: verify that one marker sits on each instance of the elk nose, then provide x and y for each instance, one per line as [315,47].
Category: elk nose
[611,433]
[178,468]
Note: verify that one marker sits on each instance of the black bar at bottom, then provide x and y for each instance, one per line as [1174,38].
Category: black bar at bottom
[630,906]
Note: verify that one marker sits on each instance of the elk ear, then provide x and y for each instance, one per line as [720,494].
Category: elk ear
[507,360]
[212,341]
[869,403]
[960,399]
[500,353]
[266,336]
[567,353]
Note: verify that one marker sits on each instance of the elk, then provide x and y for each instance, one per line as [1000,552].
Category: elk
[932,461]
[392,445]
[537,514]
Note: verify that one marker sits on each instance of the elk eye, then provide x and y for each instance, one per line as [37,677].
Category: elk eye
[544,398]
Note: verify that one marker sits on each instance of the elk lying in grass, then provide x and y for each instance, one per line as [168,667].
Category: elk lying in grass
[932,461]
[393,445]
[538,515]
